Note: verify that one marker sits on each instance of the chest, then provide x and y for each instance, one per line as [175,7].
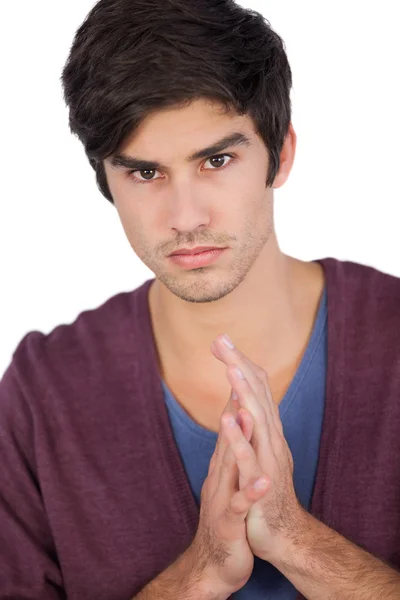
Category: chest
[204,400]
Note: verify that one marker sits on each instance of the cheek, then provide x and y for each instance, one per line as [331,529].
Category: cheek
[137,225]
[254,207]
[135,231]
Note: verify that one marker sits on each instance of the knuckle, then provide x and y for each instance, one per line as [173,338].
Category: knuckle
[232,368]
[225,417]
[236,505]
[222,419]
[232,509]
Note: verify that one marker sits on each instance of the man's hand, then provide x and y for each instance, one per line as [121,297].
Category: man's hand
[319,562]
[274,521]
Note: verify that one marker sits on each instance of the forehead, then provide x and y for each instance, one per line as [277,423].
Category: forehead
[197,123]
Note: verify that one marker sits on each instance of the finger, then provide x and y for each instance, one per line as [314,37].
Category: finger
[234,356]
[246,458]
[247,397]
[242,500]
[257,402]
[227,408]
[271,407]
[254,375]
[246,423]
[227,469]
[234,402]
[222,442]
[225,474]
[234,407]
[211,464]
[262,430]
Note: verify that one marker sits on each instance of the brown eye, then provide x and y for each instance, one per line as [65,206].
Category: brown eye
[147,172]
[218,158]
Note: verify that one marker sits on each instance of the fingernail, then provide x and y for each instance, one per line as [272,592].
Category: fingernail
[260,483]
[231,422]
[228,342]
[234,395]
[239,373]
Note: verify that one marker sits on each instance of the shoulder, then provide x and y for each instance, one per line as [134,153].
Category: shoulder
[364,309]
[66,345]
[77,358]
[363,289]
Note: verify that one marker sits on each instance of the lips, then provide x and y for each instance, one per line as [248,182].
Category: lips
[193,261]
[194,250]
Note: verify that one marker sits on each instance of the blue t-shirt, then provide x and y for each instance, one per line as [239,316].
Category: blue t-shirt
[301,411]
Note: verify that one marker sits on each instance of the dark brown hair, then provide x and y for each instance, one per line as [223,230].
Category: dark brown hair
[131,57]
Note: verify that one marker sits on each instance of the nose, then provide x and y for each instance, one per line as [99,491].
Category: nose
[187,208]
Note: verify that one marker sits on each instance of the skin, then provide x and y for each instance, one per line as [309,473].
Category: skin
[266,300]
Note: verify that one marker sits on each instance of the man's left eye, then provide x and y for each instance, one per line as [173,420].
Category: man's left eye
[219,157]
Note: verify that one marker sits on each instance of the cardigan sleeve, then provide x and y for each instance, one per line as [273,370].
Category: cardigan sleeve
[29,569]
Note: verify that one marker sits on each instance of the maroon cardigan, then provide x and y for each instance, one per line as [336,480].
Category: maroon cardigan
[94,499]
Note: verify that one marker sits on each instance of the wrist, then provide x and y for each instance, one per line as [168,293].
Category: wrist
[289,544]
[201,580]
[209,589]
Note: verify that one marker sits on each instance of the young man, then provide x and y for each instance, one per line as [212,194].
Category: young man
[121,476]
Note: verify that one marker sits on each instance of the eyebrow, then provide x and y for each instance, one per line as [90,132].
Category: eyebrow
[124,161]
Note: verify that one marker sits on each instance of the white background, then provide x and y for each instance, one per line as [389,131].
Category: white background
[62,247]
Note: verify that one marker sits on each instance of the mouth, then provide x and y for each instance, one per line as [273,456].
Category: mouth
[192,251]
[197,259]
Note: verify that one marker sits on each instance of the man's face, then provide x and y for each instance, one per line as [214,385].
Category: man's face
[214,201]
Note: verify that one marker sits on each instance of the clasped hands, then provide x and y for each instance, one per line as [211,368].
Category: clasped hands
[275,522]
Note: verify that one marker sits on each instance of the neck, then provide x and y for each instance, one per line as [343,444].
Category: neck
[268,316]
